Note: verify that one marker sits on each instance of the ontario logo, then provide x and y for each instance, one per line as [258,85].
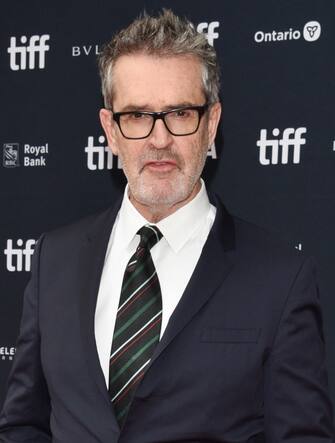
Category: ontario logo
[310,32]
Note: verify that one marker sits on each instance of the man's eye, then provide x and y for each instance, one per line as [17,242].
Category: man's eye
[137,115]
[181,114]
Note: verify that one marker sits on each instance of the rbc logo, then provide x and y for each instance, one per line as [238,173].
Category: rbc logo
[19,258]
[269,148]
[210,27]
[25,55]
[11,155]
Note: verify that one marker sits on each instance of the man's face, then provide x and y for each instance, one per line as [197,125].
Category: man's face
[162,169]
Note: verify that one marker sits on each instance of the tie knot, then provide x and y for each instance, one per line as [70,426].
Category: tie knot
[150,235]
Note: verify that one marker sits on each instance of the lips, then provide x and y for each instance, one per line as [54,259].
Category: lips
[161,165]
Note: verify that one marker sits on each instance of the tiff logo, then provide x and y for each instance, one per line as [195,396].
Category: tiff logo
[99,156]
[274,150]
[21,56]
[209,30]
[19,258]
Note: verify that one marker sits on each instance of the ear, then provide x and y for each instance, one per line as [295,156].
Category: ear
[213,121]
[109,127]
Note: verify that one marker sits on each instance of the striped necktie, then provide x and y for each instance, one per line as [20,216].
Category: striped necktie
[137,325]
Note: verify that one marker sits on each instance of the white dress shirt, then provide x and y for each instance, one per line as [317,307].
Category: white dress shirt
[175,257]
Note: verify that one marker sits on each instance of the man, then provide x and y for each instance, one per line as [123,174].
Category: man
[165,319]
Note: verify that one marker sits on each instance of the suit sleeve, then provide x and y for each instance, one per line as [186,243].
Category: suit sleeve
[26,411]
[297,408]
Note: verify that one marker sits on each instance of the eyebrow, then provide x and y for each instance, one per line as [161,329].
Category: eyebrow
[146,107]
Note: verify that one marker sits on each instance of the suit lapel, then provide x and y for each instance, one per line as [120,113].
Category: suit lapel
[214,265]
[92,261]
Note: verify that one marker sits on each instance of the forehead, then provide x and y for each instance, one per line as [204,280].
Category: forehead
[157,82]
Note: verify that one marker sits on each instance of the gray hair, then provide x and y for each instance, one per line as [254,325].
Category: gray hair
[165,35]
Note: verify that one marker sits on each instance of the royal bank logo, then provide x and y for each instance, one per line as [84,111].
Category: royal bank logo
[7,352]
[281,149]
[310,32]
[18,254]
[10,157]
[27,53]
[32,155]
[35,155]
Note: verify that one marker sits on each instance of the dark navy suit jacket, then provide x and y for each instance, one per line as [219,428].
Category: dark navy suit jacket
[241,360]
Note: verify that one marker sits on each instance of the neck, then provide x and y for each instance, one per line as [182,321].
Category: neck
[156,213]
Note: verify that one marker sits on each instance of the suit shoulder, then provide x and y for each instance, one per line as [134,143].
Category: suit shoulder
[267,255]
[79,229]
[261,242]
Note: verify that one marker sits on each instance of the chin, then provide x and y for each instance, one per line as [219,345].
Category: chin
[163,193]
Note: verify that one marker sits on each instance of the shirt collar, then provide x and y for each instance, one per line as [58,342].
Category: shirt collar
[177,228]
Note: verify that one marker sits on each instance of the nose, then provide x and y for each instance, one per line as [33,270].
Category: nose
[160,137]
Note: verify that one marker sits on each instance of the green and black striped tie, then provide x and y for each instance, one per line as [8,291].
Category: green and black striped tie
[138,324]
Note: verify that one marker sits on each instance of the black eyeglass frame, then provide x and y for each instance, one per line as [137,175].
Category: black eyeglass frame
[161,116]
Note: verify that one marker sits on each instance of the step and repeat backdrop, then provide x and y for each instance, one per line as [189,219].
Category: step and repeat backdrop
[272,163]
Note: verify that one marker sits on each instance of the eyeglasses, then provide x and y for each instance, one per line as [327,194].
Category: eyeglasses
[180,121]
